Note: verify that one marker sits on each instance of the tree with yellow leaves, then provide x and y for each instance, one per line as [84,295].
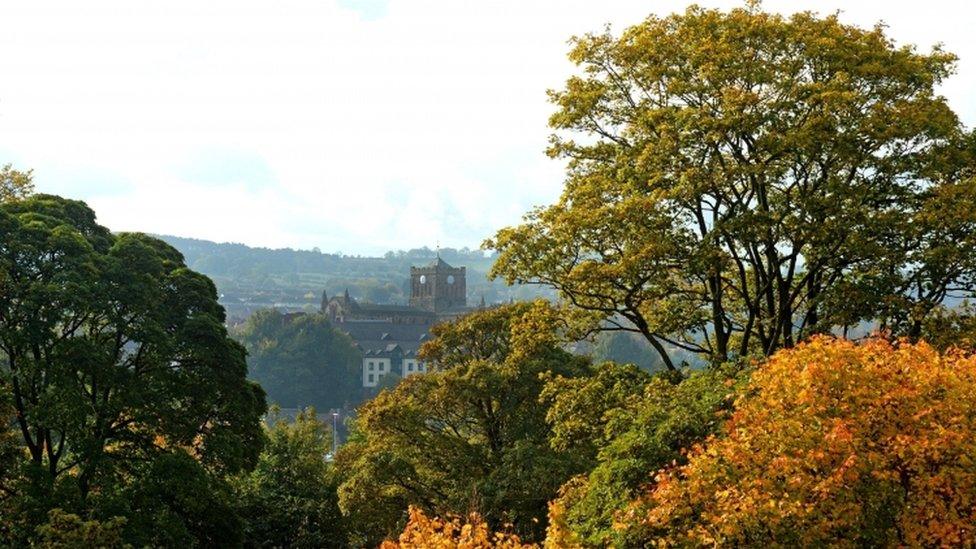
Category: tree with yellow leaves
[833,443]
[470,435]
[436,533]
[739,180]
[14,184]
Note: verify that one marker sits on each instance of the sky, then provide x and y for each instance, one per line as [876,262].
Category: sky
[354,126]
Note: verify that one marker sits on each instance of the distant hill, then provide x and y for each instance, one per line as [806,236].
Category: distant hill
[254,278]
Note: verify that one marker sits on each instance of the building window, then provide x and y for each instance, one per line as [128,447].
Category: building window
[370,378]
[370,366]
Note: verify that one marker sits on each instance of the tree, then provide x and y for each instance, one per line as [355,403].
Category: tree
[115,356]
[302,360]
[15,185]
[290,499]
[739,180]
[629,424]
[833,443]
[171,501]
[946,328]
[470,435]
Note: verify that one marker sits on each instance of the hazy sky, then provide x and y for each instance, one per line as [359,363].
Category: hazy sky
[354,126]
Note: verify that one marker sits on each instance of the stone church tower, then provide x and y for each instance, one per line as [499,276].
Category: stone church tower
[438,287]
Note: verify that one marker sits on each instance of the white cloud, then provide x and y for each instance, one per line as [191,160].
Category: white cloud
[389,126]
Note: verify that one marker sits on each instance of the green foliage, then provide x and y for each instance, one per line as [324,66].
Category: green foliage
[10,450]
[69,531]
[630,424]
[117,362]
[946,327]
[173,501]
[577,407]
[469,436]
[289,499]
[301,360]
[740,180]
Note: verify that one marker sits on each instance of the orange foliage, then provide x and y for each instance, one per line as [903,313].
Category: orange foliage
[423,532]
[833,443]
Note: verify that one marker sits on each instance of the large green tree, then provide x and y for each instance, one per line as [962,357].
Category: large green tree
[739,180]
[117,363]
[468,436]
[302,360]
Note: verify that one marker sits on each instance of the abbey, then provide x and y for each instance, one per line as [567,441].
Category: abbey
[389,336]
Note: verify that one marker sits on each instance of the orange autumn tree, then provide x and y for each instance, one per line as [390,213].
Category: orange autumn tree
[833,443]
[423,532]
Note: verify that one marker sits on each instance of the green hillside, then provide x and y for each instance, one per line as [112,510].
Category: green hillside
[253,278]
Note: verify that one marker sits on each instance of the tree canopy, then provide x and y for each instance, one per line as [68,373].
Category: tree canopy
[833,443]
[740,180]
[468,436]
[629,424]
[289,499]
[302,360]
[117,364]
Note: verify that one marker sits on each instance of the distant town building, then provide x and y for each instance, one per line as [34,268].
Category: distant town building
[389,336]
[438,288]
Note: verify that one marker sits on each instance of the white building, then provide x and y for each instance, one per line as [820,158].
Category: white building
[392,357]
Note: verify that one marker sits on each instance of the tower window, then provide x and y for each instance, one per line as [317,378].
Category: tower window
[450,279]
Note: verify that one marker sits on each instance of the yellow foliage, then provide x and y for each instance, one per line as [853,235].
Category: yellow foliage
[423,532]
[833,443]
[558,533]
